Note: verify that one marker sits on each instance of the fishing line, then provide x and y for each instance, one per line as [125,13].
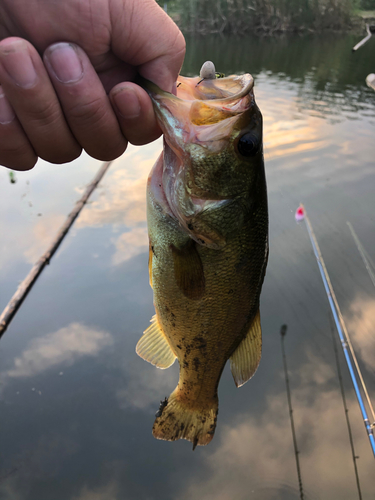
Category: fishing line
[296,452]
[365,256]
[346,410]
[341,327]
[26,285]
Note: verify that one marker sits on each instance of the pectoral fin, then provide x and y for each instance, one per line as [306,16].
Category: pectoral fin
[154,347]
[188,270]
[245,359]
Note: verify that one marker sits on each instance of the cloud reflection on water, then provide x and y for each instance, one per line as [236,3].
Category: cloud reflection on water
[59,348]
[122,198]
[41,236]
[147,388]
[130,244]
[107,492]
[121,203]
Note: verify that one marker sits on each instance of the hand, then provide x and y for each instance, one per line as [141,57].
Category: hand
[66,73]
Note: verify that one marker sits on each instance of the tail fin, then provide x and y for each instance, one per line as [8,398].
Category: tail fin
[176,420]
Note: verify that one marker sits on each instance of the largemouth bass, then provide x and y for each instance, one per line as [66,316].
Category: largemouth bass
[208,232]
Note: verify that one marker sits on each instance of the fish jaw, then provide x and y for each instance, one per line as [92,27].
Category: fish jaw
[204,123]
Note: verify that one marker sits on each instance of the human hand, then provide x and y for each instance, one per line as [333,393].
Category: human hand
[67,71]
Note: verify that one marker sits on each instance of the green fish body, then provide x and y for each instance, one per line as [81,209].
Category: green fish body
[208,232]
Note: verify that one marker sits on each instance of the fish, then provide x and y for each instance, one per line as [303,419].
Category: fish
[208,245]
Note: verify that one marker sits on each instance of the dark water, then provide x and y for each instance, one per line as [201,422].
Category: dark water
[77,404]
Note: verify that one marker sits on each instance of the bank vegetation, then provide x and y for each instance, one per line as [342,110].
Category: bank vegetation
[265,16]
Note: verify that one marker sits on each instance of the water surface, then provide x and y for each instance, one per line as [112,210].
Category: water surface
[76,403]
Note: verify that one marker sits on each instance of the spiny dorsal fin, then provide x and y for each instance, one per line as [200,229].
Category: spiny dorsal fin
[188,270]
[154,347]
[245,359]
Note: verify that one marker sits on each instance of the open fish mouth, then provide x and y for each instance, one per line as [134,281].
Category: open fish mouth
[200,121]
[203,109]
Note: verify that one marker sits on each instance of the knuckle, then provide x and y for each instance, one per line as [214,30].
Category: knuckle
[96,128]
[44,113]
[89,112]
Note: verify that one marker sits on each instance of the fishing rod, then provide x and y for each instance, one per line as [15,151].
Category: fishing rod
[340,325]
[296,452]
[346,410]
[25,286]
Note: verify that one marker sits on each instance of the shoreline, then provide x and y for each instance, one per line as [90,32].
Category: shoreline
[357,26]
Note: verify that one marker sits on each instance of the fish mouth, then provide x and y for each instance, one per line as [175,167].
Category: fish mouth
[199,120]
[203,109]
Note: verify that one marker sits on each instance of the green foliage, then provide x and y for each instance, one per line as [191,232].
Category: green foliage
[245,16]
[367,4]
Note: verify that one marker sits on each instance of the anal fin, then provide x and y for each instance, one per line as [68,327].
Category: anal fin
[154,347]
[245,359]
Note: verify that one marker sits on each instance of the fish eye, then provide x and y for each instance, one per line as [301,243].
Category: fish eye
[248,145]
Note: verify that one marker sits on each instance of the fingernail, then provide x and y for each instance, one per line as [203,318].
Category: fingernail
[65,62]
[17,62]
[6,111]
[127,103]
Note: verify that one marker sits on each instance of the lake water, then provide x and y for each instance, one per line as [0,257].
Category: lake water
[77,404]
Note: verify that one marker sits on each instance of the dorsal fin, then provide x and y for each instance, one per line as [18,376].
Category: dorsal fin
[245,359]
[154,347]
[188,270]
